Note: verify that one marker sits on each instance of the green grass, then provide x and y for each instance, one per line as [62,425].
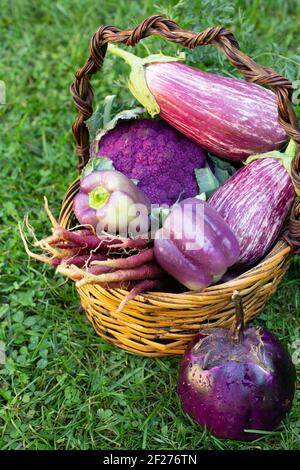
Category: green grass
[62,387]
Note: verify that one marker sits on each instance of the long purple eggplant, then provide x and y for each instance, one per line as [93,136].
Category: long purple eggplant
[227,116]
[255,202]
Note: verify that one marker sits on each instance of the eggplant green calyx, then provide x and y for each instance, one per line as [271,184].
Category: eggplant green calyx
[285,158]
[137,82]
[98,197]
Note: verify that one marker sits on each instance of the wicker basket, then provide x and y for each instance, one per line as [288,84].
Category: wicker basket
[162,324]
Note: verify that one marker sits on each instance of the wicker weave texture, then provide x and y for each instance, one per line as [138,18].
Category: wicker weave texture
[158,324]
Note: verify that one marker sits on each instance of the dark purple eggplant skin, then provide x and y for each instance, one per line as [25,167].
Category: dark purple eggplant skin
[255,202]
[229,387]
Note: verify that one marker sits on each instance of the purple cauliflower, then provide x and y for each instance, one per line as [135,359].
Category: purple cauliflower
[159,157]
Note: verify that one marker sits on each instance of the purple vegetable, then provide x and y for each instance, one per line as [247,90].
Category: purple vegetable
[195,245]
[110,201]
[232,381]
[149,270]
[83,260]
[229,117]
[144,256]
[160,158]
[255,202]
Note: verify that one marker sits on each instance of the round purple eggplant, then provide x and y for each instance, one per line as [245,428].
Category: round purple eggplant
[235,382]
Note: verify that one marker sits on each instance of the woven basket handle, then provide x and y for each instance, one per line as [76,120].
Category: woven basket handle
[218,36]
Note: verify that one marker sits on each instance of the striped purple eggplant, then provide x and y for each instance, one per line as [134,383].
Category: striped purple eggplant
[255,202]
[227,116]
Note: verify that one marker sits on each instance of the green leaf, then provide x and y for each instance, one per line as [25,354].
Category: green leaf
[72,394]
[3,310]
[95,121]
[108,102]
[26,398]
[223,164]
[101,121]
[42,363]
[126,115]
[97,164]
[31,320]
[223,170]
[206,180]
[297,111]
[5,394]
[18,317]
[26,298]
[104,414]
[44,353]
[221,175]
[10,210]
[101,116]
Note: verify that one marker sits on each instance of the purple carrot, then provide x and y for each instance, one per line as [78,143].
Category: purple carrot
[146,271]
[61,234]
[130,262]
[64,246]
[98,270]
[147,284]
[81,260]
[90,241]
[81,274]
[131,243]
[93,242]
[56,261]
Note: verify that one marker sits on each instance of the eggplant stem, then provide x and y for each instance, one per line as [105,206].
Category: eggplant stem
[292,149]
[237,329]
